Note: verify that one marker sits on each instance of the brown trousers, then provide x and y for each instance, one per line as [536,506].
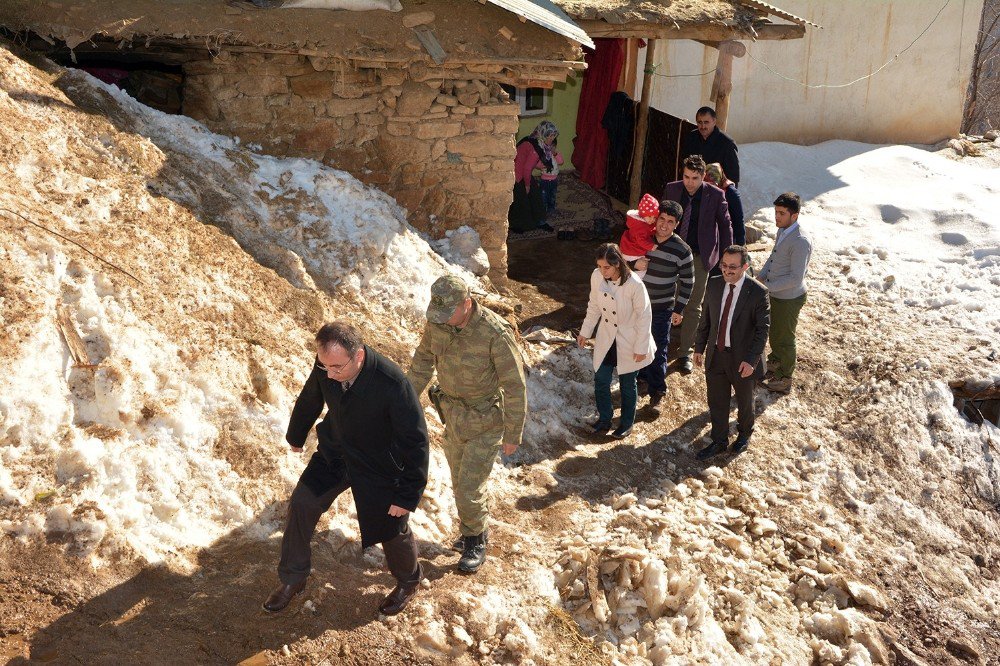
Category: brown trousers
[304,511]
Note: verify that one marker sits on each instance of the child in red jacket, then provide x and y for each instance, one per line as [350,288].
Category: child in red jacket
[640,227]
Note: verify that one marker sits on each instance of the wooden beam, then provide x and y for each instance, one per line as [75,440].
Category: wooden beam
[722,84]
[641,125]
[705,33]
[430,43]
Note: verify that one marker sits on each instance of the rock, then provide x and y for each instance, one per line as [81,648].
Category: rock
[498,110]
[963,648]
[482,146]
[992,135]
[437,130]
[318,85]
[416,99]
[763,526]
[338,107]
[262,86]
[625,501]
[391,77]
[402,150]
[876,647]
[467,184]
[317,138]
[461,635]
[418,18]
[866,595]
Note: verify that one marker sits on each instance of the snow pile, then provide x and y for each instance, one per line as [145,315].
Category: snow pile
[314,225]
[462,247]
[909,227]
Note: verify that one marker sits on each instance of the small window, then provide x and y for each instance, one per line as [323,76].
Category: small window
[533,101]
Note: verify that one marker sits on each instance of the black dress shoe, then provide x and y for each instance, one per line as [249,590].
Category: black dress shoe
[684,365]
[545,226]
[741,444]
[281,596]
[655,398]
[713,449]
[396,600]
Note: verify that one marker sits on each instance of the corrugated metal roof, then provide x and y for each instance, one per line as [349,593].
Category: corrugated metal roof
[547,15]
[780,13]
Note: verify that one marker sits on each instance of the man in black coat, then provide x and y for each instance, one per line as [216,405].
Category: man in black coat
[736,316]
[373,440]
[712,144]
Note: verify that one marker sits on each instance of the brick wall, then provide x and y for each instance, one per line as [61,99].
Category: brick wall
[441,141]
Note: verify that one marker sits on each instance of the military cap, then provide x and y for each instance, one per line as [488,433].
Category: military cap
[447,293]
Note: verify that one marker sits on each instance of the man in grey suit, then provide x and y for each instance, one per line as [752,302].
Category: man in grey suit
[730,345]
[784,274]
[707,229]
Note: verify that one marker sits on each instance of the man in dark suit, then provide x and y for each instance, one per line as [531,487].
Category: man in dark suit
[712,144]
[730,345]
[706,228]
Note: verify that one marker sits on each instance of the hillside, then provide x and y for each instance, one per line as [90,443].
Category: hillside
[141,499]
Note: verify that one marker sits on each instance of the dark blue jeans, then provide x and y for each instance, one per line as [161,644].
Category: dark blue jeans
[602,395]
[655,374]
[549,194]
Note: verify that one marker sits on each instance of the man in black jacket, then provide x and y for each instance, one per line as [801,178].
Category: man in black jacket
[736,316]
[373,440]
[712,144]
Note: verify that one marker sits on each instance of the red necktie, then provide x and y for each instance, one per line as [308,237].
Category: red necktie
[720,343]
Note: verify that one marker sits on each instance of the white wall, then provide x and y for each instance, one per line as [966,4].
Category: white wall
[919,98]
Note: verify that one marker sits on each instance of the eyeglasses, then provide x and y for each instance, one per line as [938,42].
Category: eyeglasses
[333,368]
[731,267]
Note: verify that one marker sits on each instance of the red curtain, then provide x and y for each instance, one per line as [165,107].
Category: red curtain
[600,80]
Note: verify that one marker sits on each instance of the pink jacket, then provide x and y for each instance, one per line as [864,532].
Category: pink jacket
[525,160]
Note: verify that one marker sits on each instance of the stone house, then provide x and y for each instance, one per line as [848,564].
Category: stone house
[409,102]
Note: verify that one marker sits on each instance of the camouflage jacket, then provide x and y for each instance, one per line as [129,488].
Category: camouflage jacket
[474,363]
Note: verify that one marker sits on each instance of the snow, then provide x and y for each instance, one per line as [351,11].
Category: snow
[314,224]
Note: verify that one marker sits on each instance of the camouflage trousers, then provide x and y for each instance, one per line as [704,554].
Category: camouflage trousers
[472,440]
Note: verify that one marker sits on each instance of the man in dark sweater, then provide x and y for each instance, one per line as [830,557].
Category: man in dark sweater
[372,440]
[712,144]
[669,280]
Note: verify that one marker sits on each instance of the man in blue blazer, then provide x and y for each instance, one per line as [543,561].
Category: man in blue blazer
[707,229]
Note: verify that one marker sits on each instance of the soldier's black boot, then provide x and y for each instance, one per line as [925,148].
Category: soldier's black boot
[474,554]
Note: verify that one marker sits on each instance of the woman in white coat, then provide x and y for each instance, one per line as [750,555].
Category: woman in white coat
[620,316]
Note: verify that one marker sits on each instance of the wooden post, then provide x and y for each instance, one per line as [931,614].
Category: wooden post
[639,148]
[722,84]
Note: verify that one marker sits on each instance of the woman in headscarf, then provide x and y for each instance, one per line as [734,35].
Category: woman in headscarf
[716,176]
[527,211]
[620,312]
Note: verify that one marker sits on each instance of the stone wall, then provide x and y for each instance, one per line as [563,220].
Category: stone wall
[441,141]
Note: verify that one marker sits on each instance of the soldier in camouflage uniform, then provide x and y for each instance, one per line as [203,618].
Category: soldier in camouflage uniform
[480,396]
